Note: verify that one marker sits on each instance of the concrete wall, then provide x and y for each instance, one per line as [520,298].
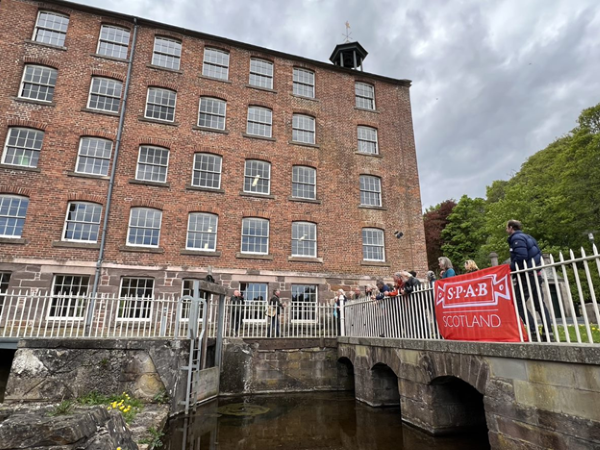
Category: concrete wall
[532,396]
[57,369]
[282,365]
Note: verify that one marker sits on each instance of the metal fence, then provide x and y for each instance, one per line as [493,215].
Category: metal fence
[24,315]
[561,298]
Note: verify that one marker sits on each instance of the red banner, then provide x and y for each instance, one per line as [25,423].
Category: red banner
[478,307]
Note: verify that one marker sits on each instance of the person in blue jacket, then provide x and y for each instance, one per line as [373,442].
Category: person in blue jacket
[525,252]
[446,268]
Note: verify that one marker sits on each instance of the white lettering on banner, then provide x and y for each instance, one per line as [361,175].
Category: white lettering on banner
[480,321]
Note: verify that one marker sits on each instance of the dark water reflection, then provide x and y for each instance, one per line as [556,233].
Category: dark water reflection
[304,421]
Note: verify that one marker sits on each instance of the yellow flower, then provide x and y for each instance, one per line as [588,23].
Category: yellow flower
[114,404]
[118,448]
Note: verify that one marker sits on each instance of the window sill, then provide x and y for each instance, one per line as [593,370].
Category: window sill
[150,183]
[15,241]
[69,244]
[23,168]
[304,200]
[367,110]
[99,111]
[43,44]
[254,136]
[204,189]
[110,58]
[305,259]
[71,173]
[210,130]
[252,194]
[304,144]
[259,88]
[152,66]
[162,122]
[373,155]
[130,248]
[33,102]
[199,253]
[204,77]
[380,208]
[375,263]
[250,256]
[302,97]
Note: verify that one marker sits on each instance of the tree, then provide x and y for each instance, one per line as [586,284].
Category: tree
[435,220]
[464,235]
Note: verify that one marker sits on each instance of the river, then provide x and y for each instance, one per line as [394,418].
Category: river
[313,421]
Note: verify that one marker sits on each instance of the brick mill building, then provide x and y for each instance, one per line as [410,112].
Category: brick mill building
[137,155]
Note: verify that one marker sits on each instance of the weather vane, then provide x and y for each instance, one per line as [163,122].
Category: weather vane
[348,33]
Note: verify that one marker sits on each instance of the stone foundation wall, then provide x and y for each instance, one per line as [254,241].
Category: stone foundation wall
[282,365]
[46,370]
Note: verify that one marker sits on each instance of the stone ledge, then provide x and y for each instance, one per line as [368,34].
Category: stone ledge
[566,353]
[286,344]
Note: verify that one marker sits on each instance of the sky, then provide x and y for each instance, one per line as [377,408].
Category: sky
[493,81]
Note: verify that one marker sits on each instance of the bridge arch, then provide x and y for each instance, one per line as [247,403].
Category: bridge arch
[345,369]
[457,405]
[384,385]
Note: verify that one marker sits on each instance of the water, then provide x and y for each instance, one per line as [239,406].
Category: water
[315,421]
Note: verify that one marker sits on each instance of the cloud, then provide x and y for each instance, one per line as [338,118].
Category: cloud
[493,82]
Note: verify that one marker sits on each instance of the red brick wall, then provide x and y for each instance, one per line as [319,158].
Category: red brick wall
[339,219]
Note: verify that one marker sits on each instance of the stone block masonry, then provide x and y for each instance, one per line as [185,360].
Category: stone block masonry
[529,396]
[263,366]
[337,211]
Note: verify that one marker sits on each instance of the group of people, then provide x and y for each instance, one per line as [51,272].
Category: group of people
[273,310]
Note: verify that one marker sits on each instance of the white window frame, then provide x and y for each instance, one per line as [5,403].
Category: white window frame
[211,114]
[170,56]
[268,123]
[304,223]
[31,150]
[261,236]
[129,228]
[69,297]
[312,305]
[255,306]
[255,178]
[376,141]
[200,171]
[24,217]
[380,196]
[79,156]
[216,225]
[382,246]
[166,166]
[114,43]
[296,128]
[296,84]
[149,300]
[260,75]
[211,64]
[363,97]
[22,86]
[67,221]
[314,171]
[38,28]
[174,107]
[104,95]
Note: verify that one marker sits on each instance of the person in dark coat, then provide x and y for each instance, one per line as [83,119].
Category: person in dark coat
[237,303]
[525,252]
[410,283]
[273,310]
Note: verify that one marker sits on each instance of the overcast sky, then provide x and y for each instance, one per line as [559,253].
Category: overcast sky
[493,81]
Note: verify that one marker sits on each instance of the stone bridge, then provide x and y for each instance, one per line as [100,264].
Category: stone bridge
[529,396]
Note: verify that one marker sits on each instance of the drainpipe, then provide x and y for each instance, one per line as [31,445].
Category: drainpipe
[111,183]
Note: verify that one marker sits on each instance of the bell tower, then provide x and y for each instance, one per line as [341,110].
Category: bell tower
[349,54]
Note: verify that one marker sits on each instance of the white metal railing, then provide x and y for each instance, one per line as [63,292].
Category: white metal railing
[568,289]
[256,319]
[24,315]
